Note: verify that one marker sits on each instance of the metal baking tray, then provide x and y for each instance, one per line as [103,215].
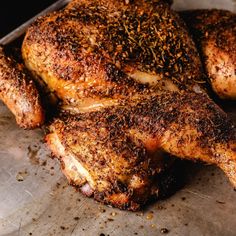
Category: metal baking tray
[35,198]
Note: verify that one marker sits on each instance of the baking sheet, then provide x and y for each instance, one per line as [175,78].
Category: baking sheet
[35,198]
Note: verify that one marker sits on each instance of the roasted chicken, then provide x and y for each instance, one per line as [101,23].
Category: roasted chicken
[132,95]
[214,32]
[131,87]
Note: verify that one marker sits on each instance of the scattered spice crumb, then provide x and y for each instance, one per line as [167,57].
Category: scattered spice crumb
[102,234]
[102,210]
[44,163]
[21,175]
[76,218]
[110,219]
[33,154]
[164,231]
[183,198]
[62,227]
[139,214]
[220,202]
[30,233]
[149,216]
[160,207]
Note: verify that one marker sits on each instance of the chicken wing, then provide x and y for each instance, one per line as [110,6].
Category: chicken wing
[18,92]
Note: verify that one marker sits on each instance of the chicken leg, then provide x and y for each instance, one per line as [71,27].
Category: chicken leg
[125,144]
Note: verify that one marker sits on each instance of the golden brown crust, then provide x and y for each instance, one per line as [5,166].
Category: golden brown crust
[19,93]
[97,44]
[101,50]
[129,189]
[215,34]
[123,144]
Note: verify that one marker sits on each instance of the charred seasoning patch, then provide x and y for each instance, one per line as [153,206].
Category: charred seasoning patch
[203,23]
[219,26]
[145,35]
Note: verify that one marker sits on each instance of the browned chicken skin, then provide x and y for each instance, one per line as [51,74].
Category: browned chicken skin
[129,80]
[215,34]
[125,144]
[104,51]
[19,93]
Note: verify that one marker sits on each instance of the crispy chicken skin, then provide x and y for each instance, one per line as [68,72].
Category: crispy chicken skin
[83,51]
[111,164]
[215,34]
[18,92]
[123,145]
[130,83]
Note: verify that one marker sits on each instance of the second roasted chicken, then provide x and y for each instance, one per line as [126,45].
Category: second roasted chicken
[131,87]
[214,32]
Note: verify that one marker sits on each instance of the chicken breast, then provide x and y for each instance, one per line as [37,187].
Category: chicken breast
[92,45]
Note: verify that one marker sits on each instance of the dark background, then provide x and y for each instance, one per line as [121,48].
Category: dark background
[15,12]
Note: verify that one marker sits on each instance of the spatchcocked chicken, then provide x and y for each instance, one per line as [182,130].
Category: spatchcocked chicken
[131,88]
